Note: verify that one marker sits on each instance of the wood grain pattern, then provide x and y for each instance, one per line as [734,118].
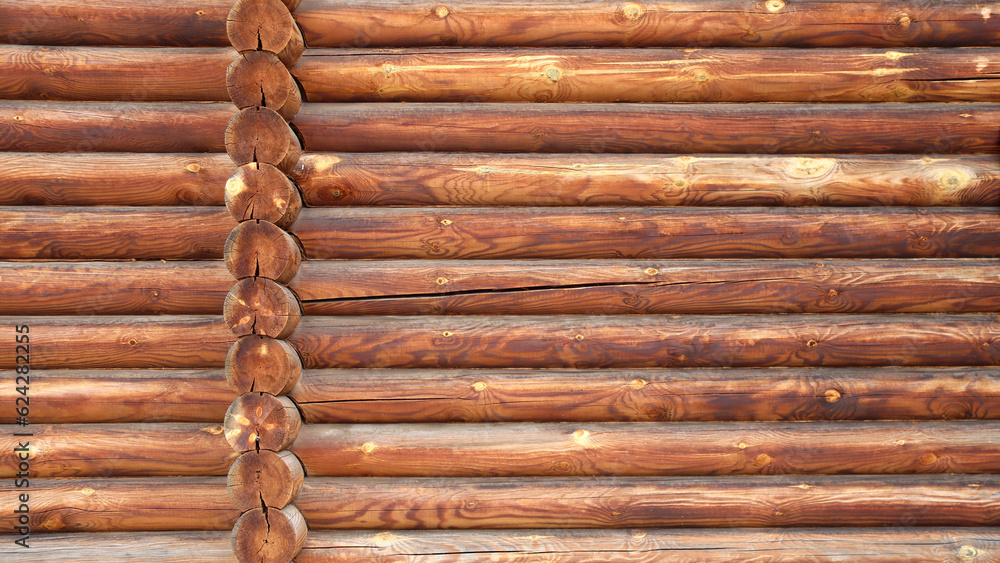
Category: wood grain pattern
[162,233]
[145,547]
[78,342]
[114,74]
[648,341]
[264,364]
[459,179]
[258,248]
[651,128]
[595,23]
[259,421]
[649,502]
[649,75]
[262,307]
[269,535]
[264,479]
[74,127]
[262,191]
[651,233]
[122,396]
[119,450]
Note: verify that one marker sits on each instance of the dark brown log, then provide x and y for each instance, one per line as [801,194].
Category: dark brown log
[260,135]
[291,4]
[269,535]
[179,23]
[258,421]
[113,74]
[654,233]
[681,395]
[261,191]
[258,248]
[127,505]
[262,307]
[138,179]
[649,502]
[595,23]
[602,287]
[264,364]
[265,478]
[151,547]
[885,545]
[259,78]
[265,25]
[650,75]
[652,128]
[121,396]
[434,179]
[122,342]
[654,341]
[117,450]
[76,127]
[643,448]
[164,233]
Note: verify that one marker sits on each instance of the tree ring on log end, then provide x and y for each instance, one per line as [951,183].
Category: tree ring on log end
[273,478]
[259,78]
[262,307]
[261,191]
[261,135]
[264,25]
[260,249]
[269,535]
[263,364]
[260,421]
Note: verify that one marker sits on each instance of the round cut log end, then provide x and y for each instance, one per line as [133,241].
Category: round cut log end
[261,249]
[258,306]
[259,78]
[264,25]
[261,191]
[260,134]
[260,421]
[271,478]
[263,364]
[269,535]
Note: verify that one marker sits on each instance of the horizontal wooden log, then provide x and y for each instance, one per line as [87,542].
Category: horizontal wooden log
[118,450]
[434,179]
[652,233]
[114,74]
[650,75]
[393,503]
[648,341]
[113,288]
[179,23]
[651,128]
[595,23]
[643,448]
[889,545]
[121,396]
[601,287]
[150,547]
[113,127]
[89,343]
[163,233]
[680,395]
[144,504]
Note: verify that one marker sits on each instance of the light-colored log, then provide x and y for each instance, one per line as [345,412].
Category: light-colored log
[258,248]
[261,135]
[259,421]
[140,547]
[264,364]
[261,191]
[269,535]
[265,478]
[258,306]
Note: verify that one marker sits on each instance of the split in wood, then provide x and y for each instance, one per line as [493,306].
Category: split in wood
[261,191]
[258,78]
[263,364]
[265,478]
[262,307]
[258,248]
[261,135]
[260,421]
[269,535]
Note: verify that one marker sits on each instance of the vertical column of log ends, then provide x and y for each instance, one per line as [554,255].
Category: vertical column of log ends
[262,367]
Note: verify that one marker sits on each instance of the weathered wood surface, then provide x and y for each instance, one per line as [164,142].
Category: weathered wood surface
[77,342]
[680,395]
[79,178]
[118,450]
[643,448]
[128,504]
[650,502]
[436,179]
[114,74]
[113,126]
[646,233]
[122,396]
[596,23]
[265,478]
[596,287]
[150,547]
[651,128]
[180,23]
[161,233]
[113,288]
[269,535]
[648,341]
[650,75]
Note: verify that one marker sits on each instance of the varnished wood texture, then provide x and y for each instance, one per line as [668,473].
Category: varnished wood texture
[650,75]
[148,547]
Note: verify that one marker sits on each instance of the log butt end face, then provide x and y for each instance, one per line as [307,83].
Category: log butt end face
[265,478]
[261,191]
[262,249]
[261,135]
[264,25]
[262,364]
[269,535]
[260,421]
[259,78]
[258,306]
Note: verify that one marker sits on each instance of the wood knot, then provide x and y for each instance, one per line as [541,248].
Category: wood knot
[384,539]
[904,20]
[928,459]
[812,344]
[87,491]
[193,167]
[762,460]
[831,395]
[445,222]
[553,74]
[651,271]
[775,6]
[479,386]
[968,552]
[632,11]
[446,334]
[367,448]
[832,294]
[441,281]
[580,337]
[441,12]
[741,446]
[638,383]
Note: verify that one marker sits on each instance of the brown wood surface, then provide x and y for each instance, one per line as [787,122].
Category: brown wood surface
[180,23]
[650,233]
[113,126]
[649,75]
[114,74]
[262,191]
[261,307]
[650,502]
[259,421]
[118,450]
[269,535]
[651,128]
[259,24]
[443,179]
[264,364]
[260,135]
[887,545]
[602,287]
[77,342]
[259,78]
[149,547]
[122,396]
[258,248]
[648,341]
[162,233]
[265,478]
[138,179]
[689,23]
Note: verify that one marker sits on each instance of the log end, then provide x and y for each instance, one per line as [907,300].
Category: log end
[269,535]
[261,191]
[271,478]
[260,134]
[261,249]
[261,307]
[262,364]
[264,25]
[260,421]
